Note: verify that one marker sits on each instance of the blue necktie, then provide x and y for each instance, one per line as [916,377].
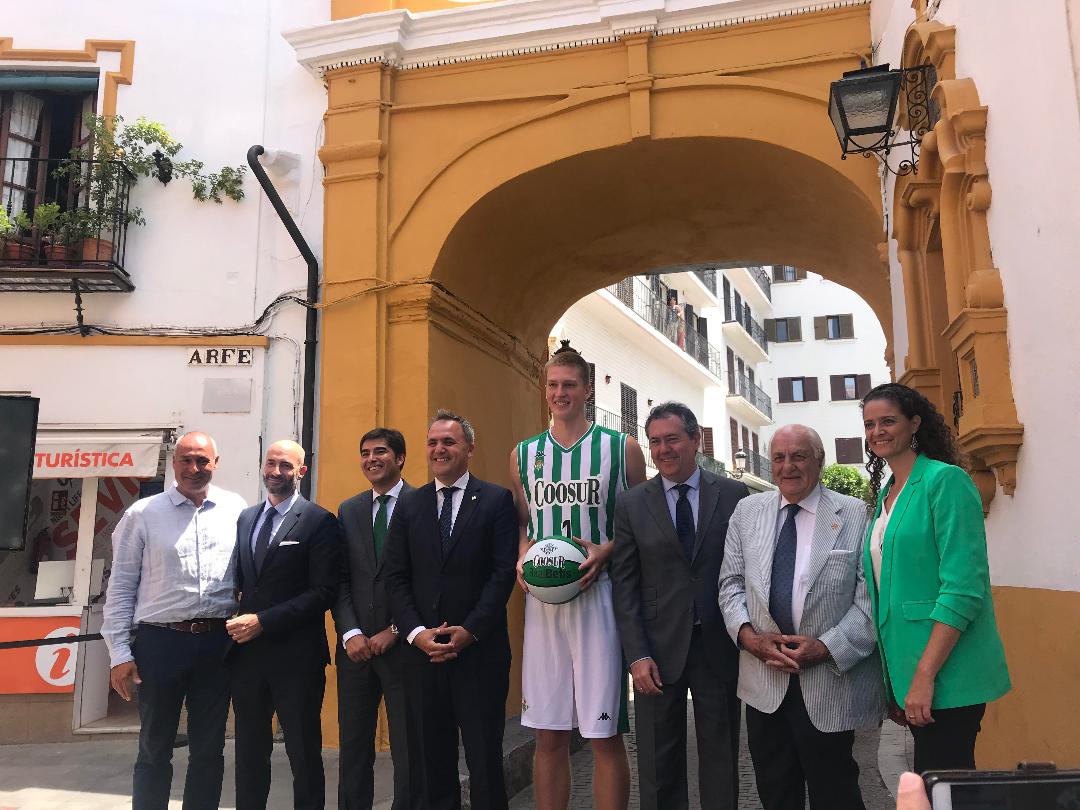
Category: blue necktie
[684,521]
[783,573]
[445,524]
[262,542]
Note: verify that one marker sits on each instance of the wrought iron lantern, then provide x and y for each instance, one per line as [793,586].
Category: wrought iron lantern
[863,106]
[740,463]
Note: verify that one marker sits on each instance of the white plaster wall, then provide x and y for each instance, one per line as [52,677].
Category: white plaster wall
[1021,58]
[864,354]
[220,78]
[142,386]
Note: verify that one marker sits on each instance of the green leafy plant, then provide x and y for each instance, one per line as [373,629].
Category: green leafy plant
[845,480]
[8,228]
[60,227]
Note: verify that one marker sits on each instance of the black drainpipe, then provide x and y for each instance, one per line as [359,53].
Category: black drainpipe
[311,336]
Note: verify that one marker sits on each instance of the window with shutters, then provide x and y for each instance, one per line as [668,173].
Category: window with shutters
[590,403]
[707,446]
[849,386]
[783,330]
[782,273]
[734,440]
[797,389]
[834,327]
[849,451]
[629,409]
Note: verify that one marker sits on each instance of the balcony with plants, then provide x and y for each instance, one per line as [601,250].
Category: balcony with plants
[65,222]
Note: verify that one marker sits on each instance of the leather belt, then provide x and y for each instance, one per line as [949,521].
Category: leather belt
[192,625]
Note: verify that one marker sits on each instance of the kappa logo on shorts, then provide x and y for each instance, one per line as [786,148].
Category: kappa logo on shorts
[604,716]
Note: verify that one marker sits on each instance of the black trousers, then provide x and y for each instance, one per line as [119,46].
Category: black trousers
[295,695]
[948,742]
[177,667]
[791,757]
[660,721]
[360,687]
[466,696]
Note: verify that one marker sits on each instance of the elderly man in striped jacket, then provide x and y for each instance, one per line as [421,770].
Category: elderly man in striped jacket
[793,595]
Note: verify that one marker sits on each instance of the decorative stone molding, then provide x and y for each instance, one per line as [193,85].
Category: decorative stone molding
[944,246]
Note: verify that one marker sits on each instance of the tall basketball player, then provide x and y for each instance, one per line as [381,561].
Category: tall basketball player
[565,483]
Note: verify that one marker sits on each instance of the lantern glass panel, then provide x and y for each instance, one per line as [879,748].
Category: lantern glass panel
[862,105]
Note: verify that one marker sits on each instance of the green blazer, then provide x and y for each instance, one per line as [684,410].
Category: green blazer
[934,569]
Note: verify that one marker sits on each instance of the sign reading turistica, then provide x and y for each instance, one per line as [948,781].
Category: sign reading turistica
[220,356]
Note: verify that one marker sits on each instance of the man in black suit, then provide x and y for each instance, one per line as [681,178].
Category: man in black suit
[665,568]
[450,568]
[369,658]
[287,577]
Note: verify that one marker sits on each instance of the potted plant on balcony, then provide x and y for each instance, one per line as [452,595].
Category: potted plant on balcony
[12,228]
[60,229]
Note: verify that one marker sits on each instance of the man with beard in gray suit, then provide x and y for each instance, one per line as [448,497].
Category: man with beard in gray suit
[669,542]
[369,657]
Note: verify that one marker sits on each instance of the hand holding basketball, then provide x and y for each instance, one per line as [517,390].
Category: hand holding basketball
[598,558]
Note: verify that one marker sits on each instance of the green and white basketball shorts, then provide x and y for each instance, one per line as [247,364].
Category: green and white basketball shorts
[572,673]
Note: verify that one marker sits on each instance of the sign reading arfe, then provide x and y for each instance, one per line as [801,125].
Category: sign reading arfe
[220,356]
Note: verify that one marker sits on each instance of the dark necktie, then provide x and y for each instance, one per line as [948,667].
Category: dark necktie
[262,542]
[783,573]
[684,521]
[445,522]
[378,530]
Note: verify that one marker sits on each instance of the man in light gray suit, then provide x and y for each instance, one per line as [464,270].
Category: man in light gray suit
[669,541]
[794,599]
[370,656]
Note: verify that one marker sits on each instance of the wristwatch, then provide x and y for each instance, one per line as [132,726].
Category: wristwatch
[393,629]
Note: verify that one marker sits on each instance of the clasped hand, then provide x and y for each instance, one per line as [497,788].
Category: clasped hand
[787,653]
[439,652]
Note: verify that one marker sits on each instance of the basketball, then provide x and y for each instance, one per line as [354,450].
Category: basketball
[551,569]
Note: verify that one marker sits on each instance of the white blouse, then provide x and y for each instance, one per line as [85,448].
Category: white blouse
[877,538]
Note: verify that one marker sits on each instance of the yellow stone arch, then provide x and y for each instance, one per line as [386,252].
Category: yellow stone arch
[468,205]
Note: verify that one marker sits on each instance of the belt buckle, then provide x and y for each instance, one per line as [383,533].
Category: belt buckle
[200,626]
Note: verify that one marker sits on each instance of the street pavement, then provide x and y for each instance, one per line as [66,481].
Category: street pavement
[96,775]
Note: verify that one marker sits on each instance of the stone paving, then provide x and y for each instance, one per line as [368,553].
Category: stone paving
[875,794]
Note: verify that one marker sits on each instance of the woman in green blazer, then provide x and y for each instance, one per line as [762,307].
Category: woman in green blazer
[930,590]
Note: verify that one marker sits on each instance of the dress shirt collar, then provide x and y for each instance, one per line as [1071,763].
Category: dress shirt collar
[177,497]
[393,492]
[808,504]
[461,483]
[283,507]
[694,481]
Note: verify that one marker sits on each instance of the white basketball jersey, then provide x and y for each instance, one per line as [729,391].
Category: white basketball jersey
[571,490]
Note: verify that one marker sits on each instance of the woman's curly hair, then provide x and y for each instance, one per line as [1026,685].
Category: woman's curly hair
[933,439]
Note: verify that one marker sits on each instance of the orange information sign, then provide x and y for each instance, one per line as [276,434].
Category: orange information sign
[37,670]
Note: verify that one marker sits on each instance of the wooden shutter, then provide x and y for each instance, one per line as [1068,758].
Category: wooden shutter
[783,386]
[836,383]
[794,329]
[745,438]
[849,451]
[727,299]
[862,385]
[734,439]
[800,274]
[770,330]
[629,409]
[778,273]
[847,326]
[821,327]
[754,442]
[810,390]
[707,446]
[590,403]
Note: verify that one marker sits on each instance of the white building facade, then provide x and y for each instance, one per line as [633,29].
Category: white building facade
[826,350]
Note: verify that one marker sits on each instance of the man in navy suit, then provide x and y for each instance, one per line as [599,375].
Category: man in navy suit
[450,568]
[287,578]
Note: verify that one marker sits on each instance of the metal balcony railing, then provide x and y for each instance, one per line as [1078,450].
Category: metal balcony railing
[763,279]
[741,385]
[759,466]
[69,221]
[667,319]
[708,277]
[615,422]
[752,327]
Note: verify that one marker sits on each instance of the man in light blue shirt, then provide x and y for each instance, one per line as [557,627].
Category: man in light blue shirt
[170,591]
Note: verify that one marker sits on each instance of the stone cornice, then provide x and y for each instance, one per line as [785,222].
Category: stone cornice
[405,40]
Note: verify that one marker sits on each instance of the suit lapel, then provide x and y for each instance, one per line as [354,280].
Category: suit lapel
[469,499]
[827,525]
[708,496]
[766,536]
[288,523]
[397,502]
[656,502]
[899,508]
[246,527]
[367,533]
